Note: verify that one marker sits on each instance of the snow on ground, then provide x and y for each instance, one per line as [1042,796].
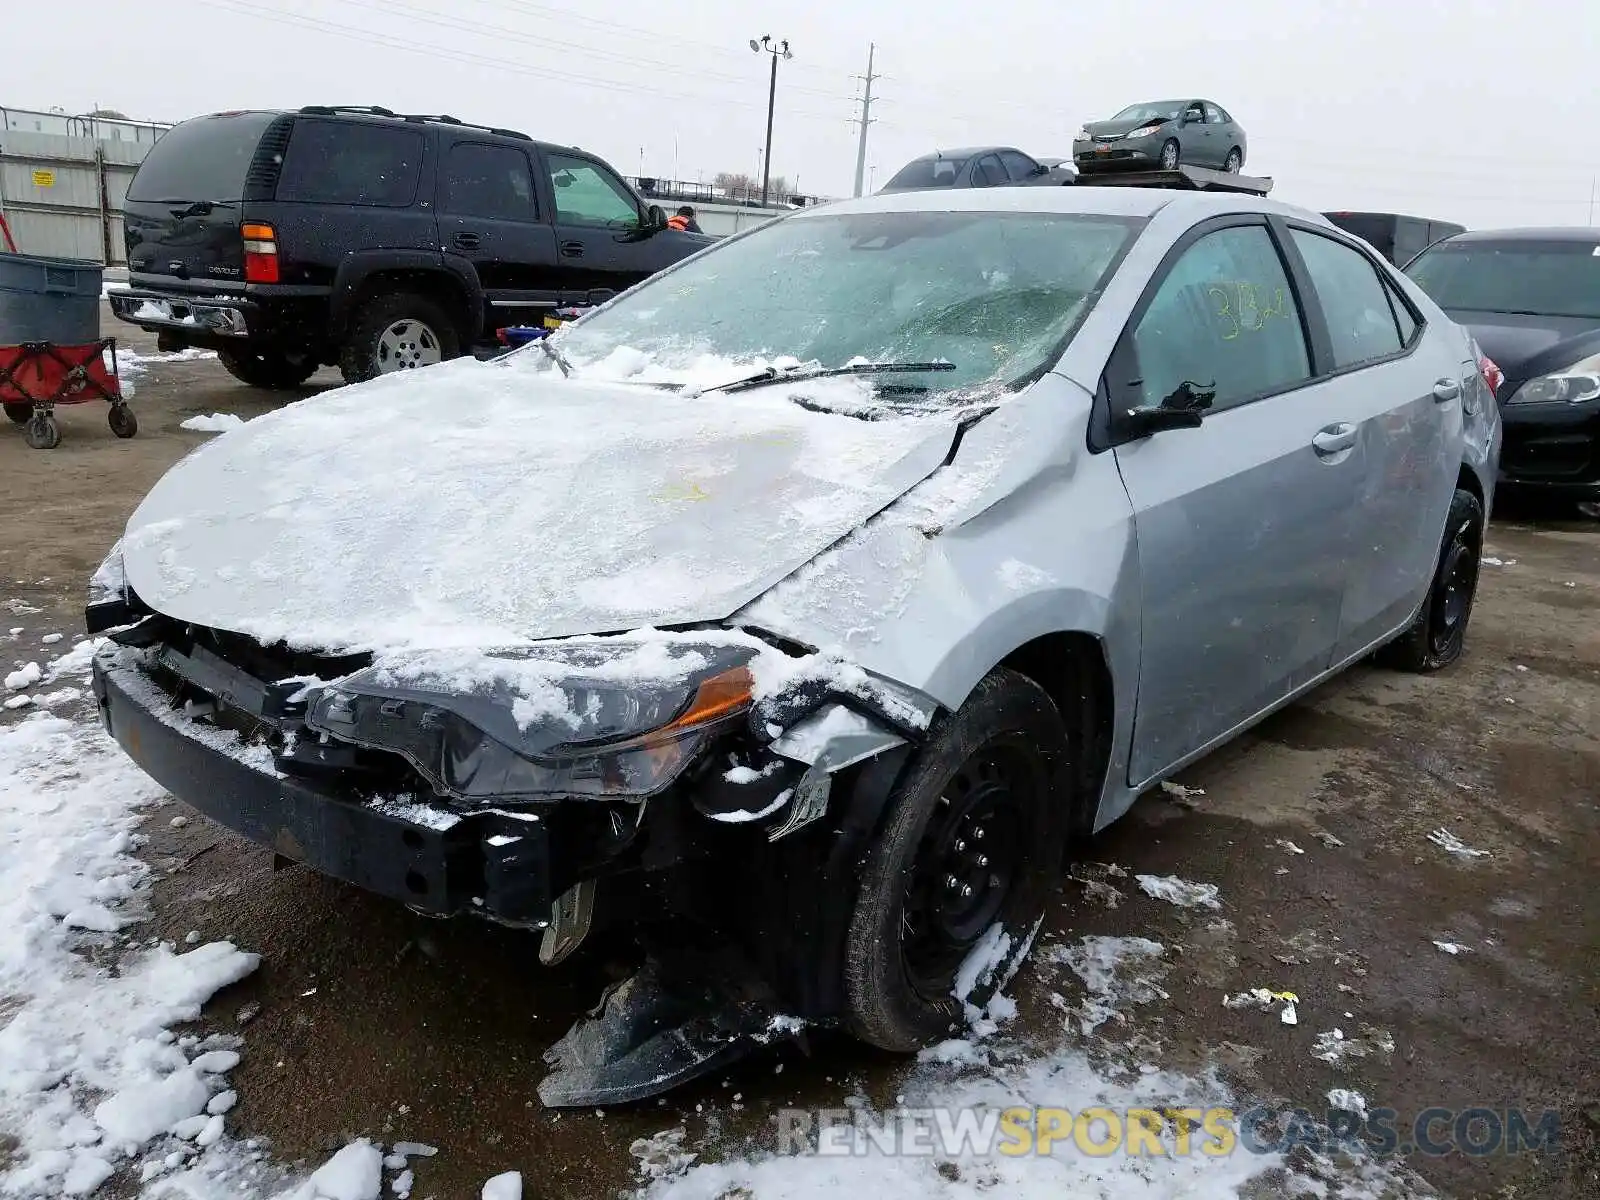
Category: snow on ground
[132,366]
[213,423]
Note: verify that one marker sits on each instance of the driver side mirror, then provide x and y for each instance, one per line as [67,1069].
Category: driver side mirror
[1185,408]
[657,217]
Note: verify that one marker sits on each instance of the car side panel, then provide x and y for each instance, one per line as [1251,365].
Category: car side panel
[1024,534]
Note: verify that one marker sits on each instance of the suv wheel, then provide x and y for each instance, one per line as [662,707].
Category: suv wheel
[276,370]
[397,332]
[968,855]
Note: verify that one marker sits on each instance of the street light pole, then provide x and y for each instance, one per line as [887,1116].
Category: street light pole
[778,49]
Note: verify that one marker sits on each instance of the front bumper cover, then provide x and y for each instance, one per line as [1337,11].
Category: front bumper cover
[494,863]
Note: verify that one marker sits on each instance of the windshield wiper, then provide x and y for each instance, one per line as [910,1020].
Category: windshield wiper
[555,356]
[795,374]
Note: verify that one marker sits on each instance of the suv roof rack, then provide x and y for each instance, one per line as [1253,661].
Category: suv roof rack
[329,110]
[1182,178]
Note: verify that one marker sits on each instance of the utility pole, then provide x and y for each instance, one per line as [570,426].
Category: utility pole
[778,49]
[1594,191]
[865,119]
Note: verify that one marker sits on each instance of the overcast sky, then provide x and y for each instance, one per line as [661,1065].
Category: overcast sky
[1479,111]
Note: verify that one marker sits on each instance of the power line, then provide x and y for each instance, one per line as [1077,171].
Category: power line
[471,58]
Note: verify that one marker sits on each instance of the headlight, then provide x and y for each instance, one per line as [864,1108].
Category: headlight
[1083,135]
[1147,130]
[593,720]
[1574,385]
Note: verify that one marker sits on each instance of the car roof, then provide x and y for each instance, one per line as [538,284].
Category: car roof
[1551,233]
[362,116]
[1079,198]
[961,152]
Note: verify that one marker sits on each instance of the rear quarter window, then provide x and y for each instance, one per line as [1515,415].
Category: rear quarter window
[202,159]
[351,162]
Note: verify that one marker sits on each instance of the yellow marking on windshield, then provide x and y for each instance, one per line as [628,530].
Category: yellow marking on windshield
[1239,308]
[689,493]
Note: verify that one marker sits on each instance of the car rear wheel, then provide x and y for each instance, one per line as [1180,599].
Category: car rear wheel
[1436,637]
[398,332]
[1170,155]
[1235,161]
[968,855]
[274,370]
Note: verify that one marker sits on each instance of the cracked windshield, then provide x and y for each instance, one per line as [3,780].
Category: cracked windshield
[966,298]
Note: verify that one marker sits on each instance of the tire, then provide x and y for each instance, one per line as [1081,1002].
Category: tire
[122,421]
[998,764]
[274,370]
[1171,155]
[1235,161]
[42,432]
[20,414]
[397,331]
[1436,637]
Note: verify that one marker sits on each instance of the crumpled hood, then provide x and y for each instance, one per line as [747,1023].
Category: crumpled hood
[1116,128]
[478,503]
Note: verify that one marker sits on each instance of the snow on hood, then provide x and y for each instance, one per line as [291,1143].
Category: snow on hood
[491,503]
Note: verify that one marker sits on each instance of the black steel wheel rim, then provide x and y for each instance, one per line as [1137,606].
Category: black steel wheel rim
[1458,580]
[970,860]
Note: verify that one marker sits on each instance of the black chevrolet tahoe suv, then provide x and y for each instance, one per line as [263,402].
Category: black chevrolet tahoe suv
[370,240]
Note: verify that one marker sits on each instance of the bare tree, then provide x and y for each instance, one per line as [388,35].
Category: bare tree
[739,186]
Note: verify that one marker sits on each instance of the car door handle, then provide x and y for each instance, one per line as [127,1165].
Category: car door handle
[466,241]
[1446,390]
[572,249]
[1335,439]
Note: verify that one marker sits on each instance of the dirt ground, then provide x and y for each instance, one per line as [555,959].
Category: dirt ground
[1315,827]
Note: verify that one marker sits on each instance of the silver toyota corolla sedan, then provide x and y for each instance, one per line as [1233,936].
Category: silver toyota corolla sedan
[796,610]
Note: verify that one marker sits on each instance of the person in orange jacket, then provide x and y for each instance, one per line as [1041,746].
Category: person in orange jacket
[684,219]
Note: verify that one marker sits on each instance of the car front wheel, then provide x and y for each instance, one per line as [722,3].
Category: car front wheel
[1170,155]
[968,855]
[1436,637]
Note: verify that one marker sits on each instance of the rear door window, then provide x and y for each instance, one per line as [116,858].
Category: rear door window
[586,194]
[202,159]
[1224,318]
[1360,316]
[481,180]
[351,162]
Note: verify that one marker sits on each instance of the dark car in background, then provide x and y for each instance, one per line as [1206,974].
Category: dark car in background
[1397,237]
[1161,135]
[1531,297]
[369,240]
[978,166]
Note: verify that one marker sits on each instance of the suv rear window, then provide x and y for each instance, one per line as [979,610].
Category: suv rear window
[351,162]
[202,159]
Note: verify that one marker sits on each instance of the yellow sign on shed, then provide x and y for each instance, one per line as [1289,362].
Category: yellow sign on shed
[44,179]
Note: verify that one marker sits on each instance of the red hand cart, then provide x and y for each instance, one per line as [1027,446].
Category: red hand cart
[37,376]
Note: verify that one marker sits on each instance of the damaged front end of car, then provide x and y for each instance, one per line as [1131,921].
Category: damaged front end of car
[709,790]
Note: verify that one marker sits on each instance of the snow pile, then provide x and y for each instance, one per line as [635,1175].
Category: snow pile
[544,507]
[1179,891]
[213,423]
[132,367]
[24,676]
[90,1074]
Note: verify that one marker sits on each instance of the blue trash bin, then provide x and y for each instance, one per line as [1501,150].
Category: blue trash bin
[49,300]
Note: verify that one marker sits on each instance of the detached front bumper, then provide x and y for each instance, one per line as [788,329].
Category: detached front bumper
[496,864]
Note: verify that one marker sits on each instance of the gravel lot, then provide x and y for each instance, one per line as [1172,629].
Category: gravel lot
[1315,828]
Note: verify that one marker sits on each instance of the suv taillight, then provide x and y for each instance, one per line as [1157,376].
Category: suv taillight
[260,254]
